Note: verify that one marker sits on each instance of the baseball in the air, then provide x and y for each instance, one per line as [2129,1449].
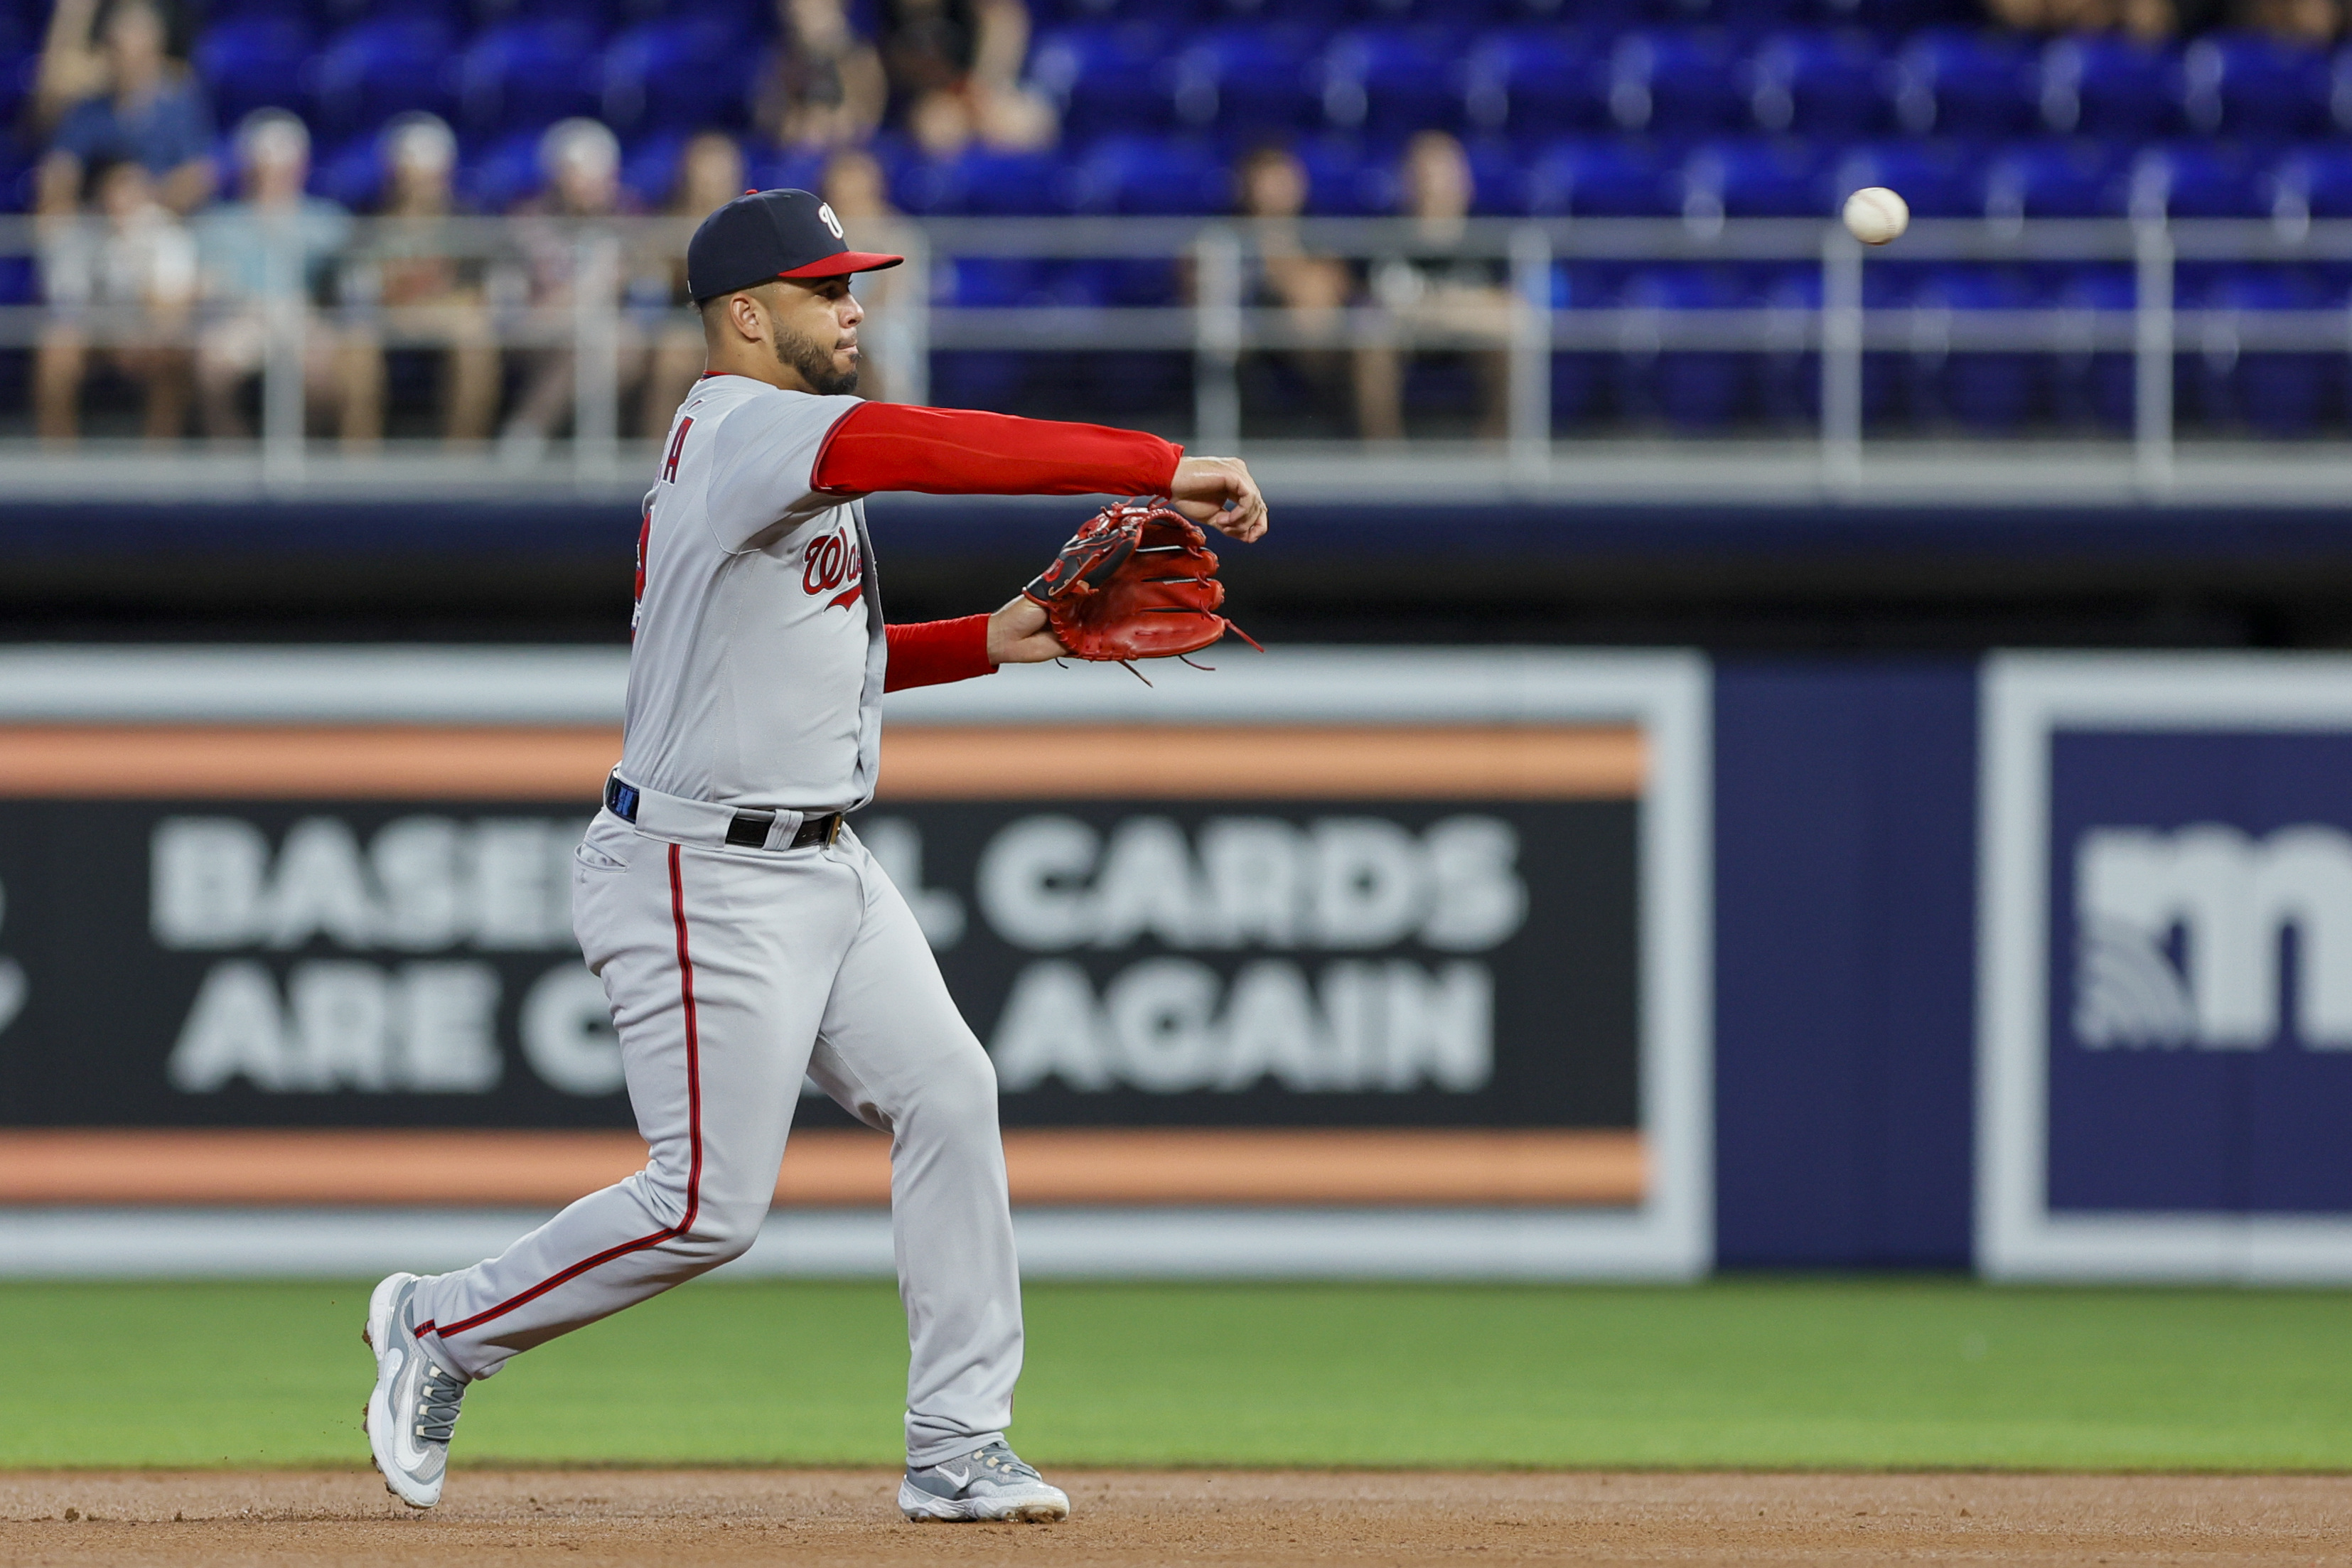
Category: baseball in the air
[1875,215]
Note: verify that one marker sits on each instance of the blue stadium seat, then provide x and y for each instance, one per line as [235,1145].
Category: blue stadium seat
[1953,81]
[1174,13]
[501,173]
[1105,77]
[252,62]
[2256,86]
[1391,81]
[679,75]
[1532,82]
[527,73]
[1937,179]
[2313,182]
[351,173]
[2090,386]
[1135,174]
[1688,389]
[2110,86]
[649,168]
[1989,391]
[379,68]
[2196,179]
[1247,79]
[769,168]
[1579,376]
[1012,185]
[1498,177]
[1600,176]
[1791,377]
[1755,176]
[2055,179]
[1674,82]
[1826,84]
[1343,180]
[2271,392]
[1897,18]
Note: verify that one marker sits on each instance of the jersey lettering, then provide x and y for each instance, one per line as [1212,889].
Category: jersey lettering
[832,562]
[677,446]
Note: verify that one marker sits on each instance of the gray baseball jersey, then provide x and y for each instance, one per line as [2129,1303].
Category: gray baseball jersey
[733,969]
[756,679]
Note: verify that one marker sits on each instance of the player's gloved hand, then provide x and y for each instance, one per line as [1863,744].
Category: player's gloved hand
[1136,581]
[1219,492]
[1018,634]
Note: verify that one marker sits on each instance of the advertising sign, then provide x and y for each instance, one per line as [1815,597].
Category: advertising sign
[1340,927]
[2166,1053]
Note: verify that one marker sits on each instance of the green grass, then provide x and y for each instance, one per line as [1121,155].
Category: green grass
[1741,1372]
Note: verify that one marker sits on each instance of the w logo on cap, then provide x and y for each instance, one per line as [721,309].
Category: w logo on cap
[825,213]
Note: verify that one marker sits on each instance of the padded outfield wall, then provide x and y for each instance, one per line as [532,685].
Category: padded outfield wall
[1505,962]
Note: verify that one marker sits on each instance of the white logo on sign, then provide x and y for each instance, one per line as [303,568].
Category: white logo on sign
[2231,898]
[825,212]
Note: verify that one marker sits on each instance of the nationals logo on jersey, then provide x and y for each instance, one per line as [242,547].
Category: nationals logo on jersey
[835,565]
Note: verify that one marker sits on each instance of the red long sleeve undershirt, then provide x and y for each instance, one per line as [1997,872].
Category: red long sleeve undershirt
[931,653]
[960,451]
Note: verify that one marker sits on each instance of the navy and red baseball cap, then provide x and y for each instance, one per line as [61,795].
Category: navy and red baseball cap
[766,234]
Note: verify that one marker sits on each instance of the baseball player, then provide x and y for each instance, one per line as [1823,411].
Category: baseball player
[743,934]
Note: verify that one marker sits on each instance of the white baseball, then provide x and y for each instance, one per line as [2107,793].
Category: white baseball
[1875,215]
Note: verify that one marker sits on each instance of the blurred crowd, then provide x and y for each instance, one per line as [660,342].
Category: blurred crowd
[164,246]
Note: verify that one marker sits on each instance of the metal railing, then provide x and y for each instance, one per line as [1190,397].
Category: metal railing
[593,289]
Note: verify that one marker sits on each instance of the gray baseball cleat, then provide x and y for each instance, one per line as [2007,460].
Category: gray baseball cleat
[990,1483]
[413,1410]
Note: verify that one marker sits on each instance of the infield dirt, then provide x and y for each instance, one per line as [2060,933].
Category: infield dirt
[1232,1519]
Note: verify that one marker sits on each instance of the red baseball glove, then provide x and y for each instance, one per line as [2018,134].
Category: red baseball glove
[1138,582]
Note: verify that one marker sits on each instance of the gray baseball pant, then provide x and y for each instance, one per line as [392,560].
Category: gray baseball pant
[730,972]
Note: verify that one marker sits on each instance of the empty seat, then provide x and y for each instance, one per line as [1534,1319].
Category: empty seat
[2055,179]
[2090,384]
[1754,177]
[2196,179]
[1135,174]
[527,73]
[1826,84]
[1105,77]
[2111,86]
[1344,181]
[351,173]
[1600,176]
[1790,373]
[2313,182]
[503,172]
[1689,389]
[379,68]
[1964,82]
[1531,82]
[1246,79]
[1394,80]
[2269,391]
[1993,391]
[1675,83]
[682,74]
[1937,179]
[2254,85]
[252,62]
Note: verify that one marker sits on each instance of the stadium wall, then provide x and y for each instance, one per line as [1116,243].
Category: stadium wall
[2034,963]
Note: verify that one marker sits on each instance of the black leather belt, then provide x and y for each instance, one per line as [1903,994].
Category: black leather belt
[748,830]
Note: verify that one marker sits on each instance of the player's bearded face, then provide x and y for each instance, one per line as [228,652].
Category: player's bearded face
[816,355]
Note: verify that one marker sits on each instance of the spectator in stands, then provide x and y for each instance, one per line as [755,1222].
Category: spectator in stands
[710,176]
[580,161]
[2151,20]
[2314,22]
[954,67]
[276,239]
[125,100]
[825,86]
[127,276]
[859,194]
[1312,289]
[406,267]
[1453,297]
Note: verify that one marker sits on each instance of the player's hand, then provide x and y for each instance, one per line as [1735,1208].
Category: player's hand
[1017,634]
[1218,492]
